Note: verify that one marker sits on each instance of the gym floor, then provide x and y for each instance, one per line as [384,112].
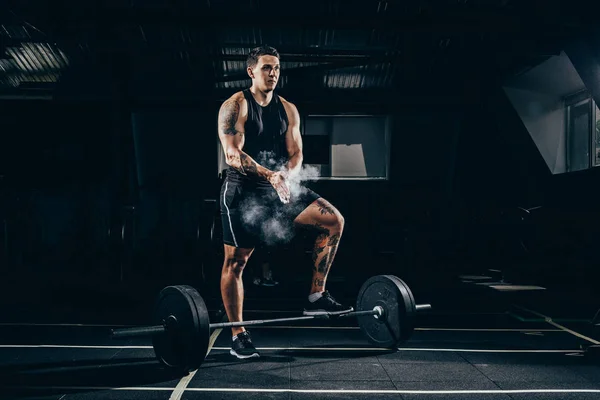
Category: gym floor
[455,353]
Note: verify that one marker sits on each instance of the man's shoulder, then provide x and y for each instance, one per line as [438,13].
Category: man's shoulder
[289,106]
[236,103]
[236,97]
[286,102]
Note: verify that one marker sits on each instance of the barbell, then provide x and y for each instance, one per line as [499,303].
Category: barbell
[385,309]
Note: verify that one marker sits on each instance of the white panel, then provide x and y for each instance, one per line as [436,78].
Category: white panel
[348,160]
[359,147]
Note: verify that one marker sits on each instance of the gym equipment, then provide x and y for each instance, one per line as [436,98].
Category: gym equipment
[393,296]
[385,308]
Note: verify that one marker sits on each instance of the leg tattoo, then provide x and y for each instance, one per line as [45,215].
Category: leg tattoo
[324,251]
[324,208]
[327,240]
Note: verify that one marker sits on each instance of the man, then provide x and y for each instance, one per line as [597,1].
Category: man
[257,125]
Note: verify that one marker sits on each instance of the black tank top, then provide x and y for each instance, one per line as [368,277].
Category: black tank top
[265,131]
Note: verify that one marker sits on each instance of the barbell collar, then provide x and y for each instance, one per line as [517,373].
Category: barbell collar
[377,311]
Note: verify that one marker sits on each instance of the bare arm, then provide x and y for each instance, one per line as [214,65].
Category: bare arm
[231,134]
[293,140]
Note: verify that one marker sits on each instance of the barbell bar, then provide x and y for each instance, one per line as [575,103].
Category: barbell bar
[377,312]
[385,310]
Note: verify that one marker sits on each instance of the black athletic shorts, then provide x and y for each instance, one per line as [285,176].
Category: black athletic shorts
[254,215]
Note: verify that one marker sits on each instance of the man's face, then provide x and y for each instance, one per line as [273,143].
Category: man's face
[265,73]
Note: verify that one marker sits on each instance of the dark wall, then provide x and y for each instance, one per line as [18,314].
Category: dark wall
[95,193]
[58,168]
[73,170]
[176,166]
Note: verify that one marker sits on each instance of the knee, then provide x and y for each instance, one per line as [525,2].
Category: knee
[235,265]
[333,223]
[339,221]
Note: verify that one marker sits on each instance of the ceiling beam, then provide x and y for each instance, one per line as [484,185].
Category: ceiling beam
[348,59]
[439,22]
[298,71]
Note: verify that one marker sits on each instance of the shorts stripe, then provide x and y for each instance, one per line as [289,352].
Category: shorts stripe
[229,215]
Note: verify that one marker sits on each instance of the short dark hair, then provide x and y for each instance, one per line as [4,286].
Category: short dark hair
[256,52]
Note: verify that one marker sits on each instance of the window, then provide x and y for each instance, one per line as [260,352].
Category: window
[554,106]
[578,135]
[596,135]
[347,146]
[583,135]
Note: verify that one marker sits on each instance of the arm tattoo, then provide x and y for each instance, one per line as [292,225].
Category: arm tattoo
[228,117]
[248,165]
[236,158]
[234,161]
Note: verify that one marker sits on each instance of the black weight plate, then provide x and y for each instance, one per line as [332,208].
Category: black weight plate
[394,296]
[184,346]
[410,305]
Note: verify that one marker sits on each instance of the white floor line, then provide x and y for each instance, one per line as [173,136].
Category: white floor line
[213,339]
[487,330]
[564,328]
[332,349]
[492,350]
[185,381]
[182,386]
[67,346]
[323,391]
[63,324]
[416,329]
[304,327]
[56,346]
[309,327]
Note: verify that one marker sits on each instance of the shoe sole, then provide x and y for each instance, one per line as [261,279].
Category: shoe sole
[243,357]
[323,312]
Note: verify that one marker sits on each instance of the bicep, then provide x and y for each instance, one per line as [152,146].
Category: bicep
[293,137]
[230,126]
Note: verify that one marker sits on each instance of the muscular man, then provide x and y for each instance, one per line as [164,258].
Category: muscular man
[260,136]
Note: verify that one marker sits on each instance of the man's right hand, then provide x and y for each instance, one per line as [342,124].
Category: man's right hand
[278,181]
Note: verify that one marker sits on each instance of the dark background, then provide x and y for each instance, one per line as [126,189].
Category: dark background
[108,165]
